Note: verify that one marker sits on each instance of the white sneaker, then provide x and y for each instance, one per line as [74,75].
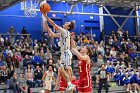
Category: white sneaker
[127,89]
[131,91]
[70,88]
[136,91]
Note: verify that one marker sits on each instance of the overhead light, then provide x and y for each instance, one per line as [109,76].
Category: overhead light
[62,1]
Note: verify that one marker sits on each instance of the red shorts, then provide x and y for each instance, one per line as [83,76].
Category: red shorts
[85,84]
[63,85]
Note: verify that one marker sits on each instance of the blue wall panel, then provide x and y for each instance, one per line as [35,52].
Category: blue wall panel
[33,25]
[109,24]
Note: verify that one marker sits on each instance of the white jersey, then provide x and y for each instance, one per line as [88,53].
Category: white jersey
[49,77]
[66,54]
[65,40]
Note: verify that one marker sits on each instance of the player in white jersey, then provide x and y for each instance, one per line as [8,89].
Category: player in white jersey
[48,78]
[66,55]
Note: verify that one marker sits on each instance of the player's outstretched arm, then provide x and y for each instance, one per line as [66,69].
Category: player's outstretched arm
[51,33]
[44,75]
[51,22]
[76,52]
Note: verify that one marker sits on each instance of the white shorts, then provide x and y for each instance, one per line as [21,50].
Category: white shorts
[66,58]
[48,86]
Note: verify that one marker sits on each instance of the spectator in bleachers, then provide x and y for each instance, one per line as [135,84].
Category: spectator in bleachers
[30,68]
[127,83]
[123,41]
[117,77]
[24,31]
[38,76]
[27,51]
[133,79]
[116,43]
[11,71]
[127,59]
[133,47]
[37,60]
[42,55]
[100,49]
[8,50]
[13,83]
[27,60]
[4,74]
[113,52]
[29,40]
[35,44]
[100,60]
[113,34]
[1,62]
[8,60]
[86,41]
[16,59]
[126,35]
[110,40]
[12,31]
[7,42]
[22,84]
[30,78]
[107,53]
[1,39]
[48,54]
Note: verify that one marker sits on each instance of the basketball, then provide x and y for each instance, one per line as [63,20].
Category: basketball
[45,8]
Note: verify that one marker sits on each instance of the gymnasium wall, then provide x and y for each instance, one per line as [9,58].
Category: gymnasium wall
[14,17]
[109,24]
[84,23]
[33,25]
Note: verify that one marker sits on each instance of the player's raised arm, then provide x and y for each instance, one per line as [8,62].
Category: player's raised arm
[51,33]
[44,75]
[51,22]
[76,52]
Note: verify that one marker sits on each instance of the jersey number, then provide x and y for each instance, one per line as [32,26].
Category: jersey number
[80,68]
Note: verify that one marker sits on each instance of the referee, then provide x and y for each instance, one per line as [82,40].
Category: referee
[102,79]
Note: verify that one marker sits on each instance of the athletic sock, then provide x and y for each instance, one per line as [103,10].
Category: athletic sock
[69,83]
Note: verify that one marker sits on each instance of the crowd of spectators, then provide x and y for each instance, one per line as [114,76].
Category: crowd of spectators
[118,52]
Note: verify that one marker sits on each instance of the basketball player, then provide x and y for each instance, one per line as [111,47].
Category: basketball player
[48,78]
[66,54]
[85,82]
[61,81]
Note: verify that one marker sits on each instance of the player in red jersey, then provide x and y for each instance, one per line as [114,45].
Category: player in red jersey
[85,82]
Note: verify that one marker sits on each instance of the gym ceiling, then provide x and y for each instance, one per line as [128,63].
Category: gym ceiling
[113,3]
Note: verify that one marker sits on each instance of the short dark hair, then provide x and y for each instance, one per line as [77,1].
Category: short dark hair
[51,66]
[102,65]
[72,25]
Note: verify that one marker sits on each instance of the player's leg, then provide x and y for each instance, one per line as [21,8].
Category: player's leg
[47,88]
[66,60]
[65,74]
[69,72]
[63,86]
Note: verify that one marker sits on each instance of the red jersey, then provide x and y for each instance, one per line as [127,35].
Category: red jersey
[63,84]
[84,68]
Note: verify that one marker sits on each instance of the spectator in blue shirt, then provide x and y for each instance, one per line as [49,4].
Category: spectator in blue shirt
[37,60]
